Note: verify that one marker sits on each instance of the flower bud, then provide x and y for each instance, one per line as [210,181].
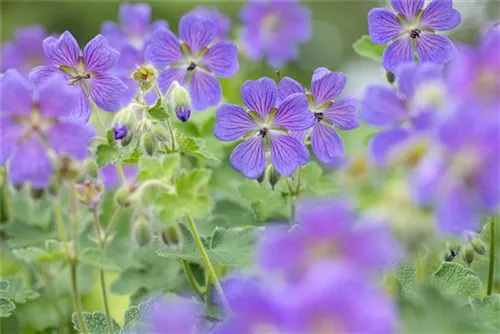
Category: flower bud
[127,139]
[468,255]
[181,102]
[477,244]
[148,143]
[91,168]
[119,132]
[146,76]
[90,194]
[272,176]
[142,232]
[390,77]
[37,194]
[182,113]
[171,237]
[122,194]
[160,132]
[261,178]
[68,169]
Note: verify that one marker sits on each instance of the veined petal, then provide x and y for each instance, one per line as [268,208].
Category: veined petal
[343,113]
[382,144]
[163,48]
[81,111]
[382,107]
[135,18]
[232,122]
[326,143]
[41,73]
[106,91]
[383,25]
[249,157]
[410,76]
[196,32]
[205,90]
[440,15]
[15,95]
[56,98]
[426,178]
[288,86]
[11,131]
[287,153]
[260,95]
[408,8]
[63,50]
[398,53]
[98,56]
[166,77]
[435,48]
[326,87]
[455,211]
[30,163]
[114,34]
[70,138]
[299,135]
[222,59]
[293,113]
[488,185]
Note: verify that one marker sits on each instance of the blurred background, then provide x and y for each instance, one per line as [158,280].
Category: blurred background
[336,26]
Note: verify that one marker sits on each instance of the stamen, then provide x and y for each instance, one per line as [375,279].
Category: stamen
[414,33]
[263,132]
[319,116]
[191,67]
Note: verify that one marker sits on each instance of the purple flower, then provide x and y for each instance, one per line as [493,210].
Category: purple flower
[335,299]
[475,74]
[183,113]
[222,22]
[327,230]
[25,51]
[34,122]
[460,173]
[131,39]
[110,176]
[119,132]
[410,109]
[274,29]
[265,124]
[192,62]
[325,87]
[86,71]
[174,316]
[413,30]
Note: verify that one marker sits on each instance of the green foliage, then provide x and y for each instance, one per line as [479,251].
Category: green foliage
[95,258]
[136,316]
[158,112]
[456,280]
[264,202]
[163,167]
[54,251]
[406,275]
[96,323]
[488,311]
[114,153]
[366,48]
[12,290]
[193,146]
[6,307]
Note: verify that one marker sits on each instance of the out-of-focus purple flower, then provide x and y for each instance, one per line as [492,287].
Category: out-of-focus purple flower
[119,132]
[335,299]
[34,122]
[222,22]
[174,316]
[193,62]
[131,39]
[273,29]
[460,173]
[474,75]
[413,30]
[110,176]
[87,71]
[25,51]
[412,108]
[265,123]
[327,230]
[325,87]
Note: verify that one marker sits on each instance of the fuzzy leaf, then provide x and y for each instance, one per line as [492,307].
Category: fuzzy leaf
[94,257]
[190,182]
[193,146]
[96,323]
[114,153]
[158,112]
[16,290]
[6,307]
[454,279]
[366,48]
[54,251]
[488,310]
[406,275]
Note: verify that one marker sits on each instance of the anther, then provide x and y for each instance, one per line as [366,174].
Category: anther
[319,116]
[263,132]
[414,33]
[191,67]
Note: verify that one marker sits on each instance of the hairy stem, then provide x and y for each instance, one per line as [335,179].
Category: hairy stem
[190,276]
[171,132]
[491,272]
[76,297]
[121,173]
[206,261]
[208,291]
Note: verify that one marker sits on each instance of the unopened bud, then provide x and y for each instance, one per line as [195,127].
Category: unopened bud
[119,132]
[146,76]
[127,139]
[183,113]
[90,194]
[148,143]
[390,77]
[68,169]
[181,102]
[91,168]
[160,132]
[53,187]
[171,237]
[18,186]
[272,176]
[37,194]
[468,255]
[142,232]
[453,249]
[477,244]
[261,178]
[122,194]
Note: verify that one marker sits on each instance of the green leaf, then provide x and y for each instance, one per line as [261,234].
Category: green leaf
[114,153]
[163,167]
[265,203]
[94,257]
[454,279]
[189,182]
[366,48]
[6,307]
[54,252]
[229,247]
[16,290]
[193,146]
[96,323]
[406,275]
[4,286]
[488,310]
[158,112]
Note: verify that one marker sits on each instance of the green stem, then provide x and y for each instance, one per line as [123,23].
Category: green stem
[61,229]
[206,261]
[190,276]
[491,272]
[112,224]
[208,291]
[102,243]
[53,293]
[6,209]
[76,297]
[121,173]
[171,132]
[419,268]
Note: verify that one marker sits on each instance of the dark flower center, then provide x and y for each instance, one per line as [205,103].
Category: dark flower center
[191,67]
[319,116]
[263,132]
[414,33]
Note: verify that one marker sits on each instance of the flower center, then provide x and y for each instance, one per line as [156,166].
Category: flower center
[415,33]
[191,67]
[319,116]
[263,131]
